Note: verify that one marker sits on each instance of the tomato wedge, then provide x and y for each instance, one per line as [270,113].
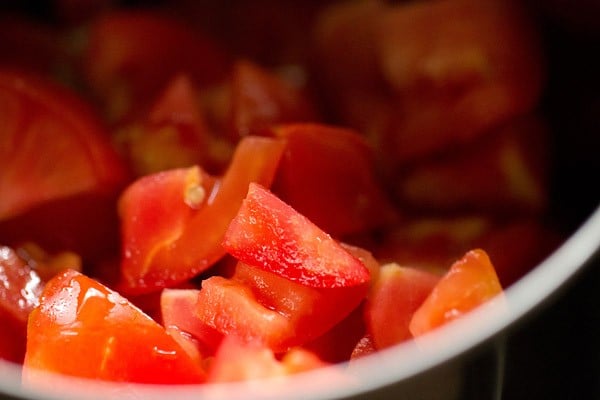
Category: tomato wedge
[105,336]
[271,235]
[165,241]
[51,146]
[470,282]
[393,299]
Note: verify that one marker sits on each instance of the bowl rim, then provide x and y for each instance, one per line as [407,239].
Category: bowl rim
[537,288]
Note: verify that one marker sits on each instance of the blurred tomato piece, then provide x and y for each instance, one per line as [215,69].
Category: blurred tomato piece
[260,98]
[505,173]
[132,54]
[239,361]
[51,146]
[172,135]
[339,165]
[437,64]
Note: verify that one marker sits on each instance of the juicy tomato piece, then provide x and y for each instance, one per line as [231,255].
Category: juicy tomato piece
[308,312]
[230,307]
[470,282]
[260,98]
[393,299]
[20,289]
[121,46]
[178,310]
[337,164]
[505,172]
[172,231]
[105,336]
[173,135]
[76,158]
[271,235]
[239,361]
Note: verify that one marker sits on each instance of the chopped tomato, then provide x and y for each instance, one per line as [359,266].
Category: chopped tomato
[470,282]
[337,164]
[393,299]
[173,135]
[76,158]
[121,46]
[310,312]
[178,310]
[238,361]
[230,307]
[174,233]
[269,234]
[260,98]
[105,336]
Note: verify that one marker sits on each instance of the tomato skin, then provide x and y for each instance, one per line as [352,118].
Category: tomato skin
[77,156]
[393,299]
[470,282]
[104,336]
[338,164]
[175,253]
[271,235]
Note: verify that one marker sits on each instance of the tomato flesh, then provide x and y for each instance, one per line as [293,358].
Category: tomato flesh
[189,241]
[105,336]
[271,235]
[470,282]
[76,158]
[393,299]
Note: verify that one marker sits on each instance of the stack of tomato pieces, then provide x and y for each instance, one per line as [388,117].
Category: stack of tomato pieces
[208,220]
